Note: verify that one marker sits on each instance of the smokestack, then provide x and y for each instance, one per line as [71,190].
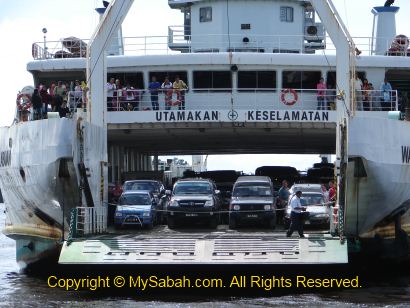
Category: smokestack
[116,47]
[384,23]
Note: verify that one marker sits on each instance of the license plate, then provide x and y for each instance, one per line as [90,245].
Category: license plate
[252,216]
[191,215]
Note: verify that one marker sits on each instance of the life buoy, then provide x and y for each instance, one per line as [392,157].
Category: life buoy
[289,97]
[23,101]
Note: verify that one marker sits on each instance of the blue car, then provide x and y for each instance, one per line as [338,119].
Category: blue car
[136,208]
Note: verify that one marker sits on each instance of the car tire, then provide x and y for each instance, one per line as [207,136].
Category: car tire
[232,223]
[171,222]
[214,222]
[272,223]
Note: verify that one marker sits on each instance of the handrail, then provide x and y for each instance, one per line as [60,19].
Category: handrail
[177,41]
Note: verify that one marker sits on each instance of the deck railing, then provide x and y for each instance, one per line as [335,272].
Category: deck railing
[176,41]
[91,220]
[245,98]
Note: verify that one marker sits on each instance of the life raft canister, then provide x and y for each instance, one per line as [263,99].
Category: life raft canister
[289,97]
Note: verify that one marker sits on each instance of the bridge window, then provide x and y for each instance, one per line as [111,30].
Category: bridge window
[300,79]
[262,80]
[331,77]
[171,75]
[212,81]
[135,80]
[205,14]
[286,14]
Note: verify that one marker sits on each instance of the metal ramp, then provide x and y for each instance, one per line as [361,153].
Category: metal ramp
[210,248]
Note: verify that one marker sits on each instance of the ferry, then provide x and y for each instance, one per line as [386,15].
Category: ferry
[251,87]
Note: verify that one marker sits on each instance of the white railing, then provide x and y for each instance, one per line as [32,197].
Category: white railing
[177,41]
[91,220]
[250,99]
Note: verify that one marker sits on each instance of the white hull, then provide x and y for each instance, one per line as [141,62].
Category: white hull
[38,183]
[374,197]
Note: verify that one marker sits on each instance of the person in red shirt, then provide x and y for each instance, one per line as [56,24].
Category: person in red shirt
[332,192]
[321,95]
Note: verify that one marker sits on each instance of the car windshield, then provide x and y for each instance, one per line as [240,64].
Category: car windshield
[135,199]
[193,188]
[252,190]
[150,186]
[312,199]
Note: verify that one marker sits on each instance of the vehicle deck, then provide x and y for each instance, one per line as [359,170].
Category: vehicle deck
[204,246]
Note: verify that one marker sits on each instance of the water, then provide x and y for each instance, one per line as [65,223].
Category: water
[20,290]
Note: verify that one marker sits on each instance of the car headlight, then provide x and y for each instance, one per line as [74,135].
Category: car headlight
[267,207]
[236,207]
[118,214]
[146,214]
[209,203]
[174,203]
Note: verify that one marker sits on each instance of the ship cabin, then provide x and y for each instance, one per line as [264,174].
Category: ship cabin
[246,65]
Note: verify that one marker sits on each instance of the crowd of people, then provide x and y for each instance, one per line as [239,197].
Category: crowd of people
[59,97]
[367,98]
[128,98]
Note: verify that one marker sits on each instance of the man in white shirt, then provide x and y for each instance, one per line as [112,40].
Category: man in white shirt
[110,93]
[296,217]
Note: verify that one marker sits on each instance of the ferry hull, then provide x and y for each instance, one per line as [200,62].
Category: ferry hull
[378,180]
[39,185]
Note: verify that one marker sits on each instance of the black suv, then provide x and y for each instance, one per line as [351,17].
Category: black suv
[193,200]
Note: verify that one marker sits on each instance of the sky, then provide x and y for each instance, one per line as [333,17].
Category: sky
[22,21]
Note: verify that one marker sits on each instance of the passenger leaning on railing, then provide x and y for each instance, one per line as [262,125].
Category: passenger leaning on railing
[321,91]
[110,86]
[168,89]
[180,88]
[358,87]
[154,87]
[386,90]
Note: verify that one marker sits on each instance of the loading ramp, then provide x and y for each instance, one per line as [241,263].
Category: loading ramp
[222,246]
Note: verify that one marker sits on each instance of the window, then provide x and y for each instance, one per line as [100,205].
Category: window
[286,13]
[331,78]
[215,80]
[300,79]
[264,80]
[245,26]
[171,75]
[205,14]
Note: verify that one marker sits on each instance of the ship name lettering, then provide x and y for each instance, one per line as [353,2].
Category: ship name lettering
[277,115]
[405,154]
[5,158]
[177,116]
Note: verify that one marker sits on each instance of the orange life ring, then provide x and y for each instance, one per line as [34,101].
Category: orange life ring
[289,97]
[23,102]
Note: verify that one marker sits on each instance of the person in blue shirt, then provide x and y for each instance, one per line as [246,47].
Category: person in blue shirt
[154,87]
[385,91]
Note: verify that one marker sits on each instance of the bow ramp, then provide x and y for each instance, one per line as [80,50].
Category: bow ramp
[163,246]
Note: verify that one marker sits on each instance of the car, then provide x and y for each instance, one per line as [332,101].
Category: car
[316,207]
[305,187]
[252,202]
[193,200]
[155,187]
[136,208]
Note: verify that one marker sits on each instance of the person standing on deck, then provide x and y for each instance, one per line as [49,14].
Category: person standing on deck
[37,105]
[180,87]
[358,87]
[153,88]
[167,87]
[296,215]
[385,90]
[332,193]
[321,93]
[110,93]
